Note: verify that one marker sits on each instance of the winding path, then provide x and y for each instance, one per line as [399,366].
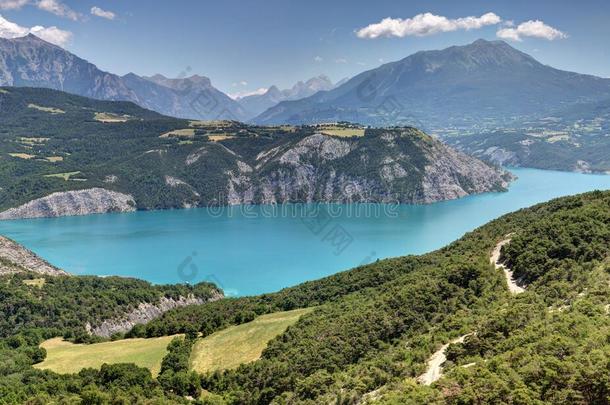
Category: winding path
[510,279]
[434,370]
[435,362]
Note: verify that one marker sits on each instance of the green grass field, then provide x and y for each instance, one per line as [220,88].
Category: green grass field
[65,176]
[240,344]
[65,357]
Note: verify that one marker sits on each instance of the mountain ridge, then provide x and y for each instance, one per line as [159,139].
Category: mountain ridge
[258,103]
[459,85]
[32,62]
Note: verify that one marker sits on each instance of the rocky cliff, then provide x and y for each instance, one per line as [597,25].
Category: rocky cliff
[402,166]
[79,202]
[14,258]
[145,312]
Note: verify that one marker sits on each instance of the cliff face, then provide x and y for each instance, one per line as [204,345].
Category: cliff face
[397,166]
[79,202]
[14,258]
[145,312]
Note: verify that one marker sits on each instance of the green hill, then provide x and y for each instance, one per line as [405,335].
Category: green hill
[374,328]
[55,142]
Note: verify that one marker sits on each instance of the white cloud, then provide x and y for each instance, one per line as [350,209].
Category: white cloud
[242,94]
[340,60]
[109,15]
[318,59]
[53,34]
[52,6]
[12,4]
[532,28]
[424,24]
[58,8]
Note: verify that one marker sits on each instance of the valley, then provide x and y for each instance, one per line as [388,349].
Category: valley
[304,203]
[367,333]
[572,139]
[472,96]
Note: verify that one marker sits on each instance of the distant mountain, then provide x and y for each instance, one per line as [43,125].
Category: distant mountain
[576,138]
[258,103]
[484,83]
[195,96]
[31,62]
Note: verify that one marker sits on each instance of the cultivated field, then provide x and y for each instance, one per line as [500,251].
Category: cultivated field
[342,131]
[110,117]
[186,132]
[65,357]
[240,344]
[49,110]
[66,176]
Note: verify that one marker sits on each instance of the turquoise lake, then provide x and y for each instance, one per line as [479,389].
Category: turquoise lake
[251,250]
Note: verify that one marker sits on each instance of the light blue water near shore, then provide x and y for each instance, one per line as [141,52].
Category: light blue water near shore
[256,249]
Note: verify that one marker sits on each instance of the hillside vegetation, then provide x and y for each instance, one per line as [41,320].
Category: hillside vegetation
[161,162]
[374,328]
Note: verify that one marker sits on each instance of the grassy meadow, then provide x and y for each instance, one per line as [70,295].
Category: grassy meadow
[65,357]
[240,344]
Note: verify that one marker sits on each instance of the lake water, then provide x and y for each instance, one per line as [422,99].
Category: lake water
[250,250]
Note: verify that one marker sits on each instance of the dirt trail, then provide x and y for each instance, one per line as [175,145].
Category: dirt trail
[510,279]
[435,370]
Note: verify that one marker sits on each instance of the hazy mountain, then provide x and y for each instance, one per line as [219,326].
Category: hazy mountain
[482,83]
[258,103]
[29,61]
[198,98]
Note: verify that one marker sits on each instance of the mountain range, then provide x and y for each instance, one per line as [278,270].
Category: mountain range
[30,61]
[481,84]
[258,103]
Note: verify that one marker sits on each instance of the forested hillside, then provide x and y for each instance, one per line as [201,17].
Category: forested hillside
[56,142]
[373,328]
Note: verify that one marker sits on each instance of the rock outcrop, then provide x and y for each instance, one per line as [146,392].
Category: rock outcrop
[14,258]
[399,166]
[145,312]
[78,202]
[451,174]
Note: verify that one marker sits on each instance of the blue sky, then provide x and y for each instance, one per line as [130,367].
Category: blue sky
[243,45]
